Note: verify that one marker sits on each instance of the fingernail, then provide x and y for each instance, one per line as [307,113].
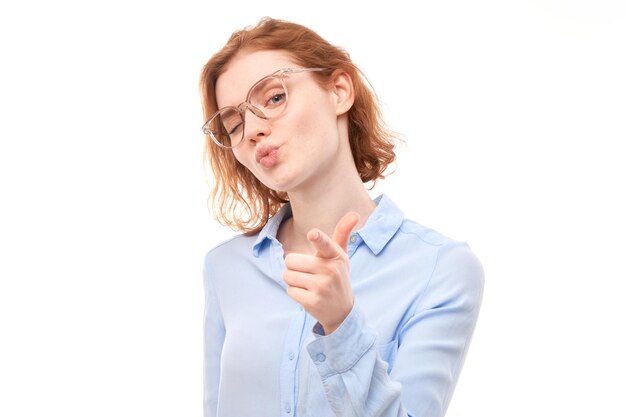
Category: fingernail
[316,235]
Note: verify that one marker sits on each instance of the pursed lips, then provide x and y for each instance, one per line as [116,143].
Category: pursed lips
[264,151]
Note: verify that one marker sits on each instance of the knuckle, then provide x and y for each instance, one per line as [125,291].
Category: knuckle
[321,287]
[314,285]
[334,270]
[315,302]
[324,287]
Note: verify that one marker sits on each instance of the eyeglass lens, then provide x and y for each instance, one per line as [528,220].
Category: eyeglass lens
[269,97]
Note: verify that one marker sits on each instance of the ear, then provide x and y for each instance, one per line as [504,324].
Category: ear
[343,91]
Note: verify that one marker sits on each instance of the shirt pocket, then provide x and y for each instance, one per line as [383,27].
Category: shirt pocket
[388,353]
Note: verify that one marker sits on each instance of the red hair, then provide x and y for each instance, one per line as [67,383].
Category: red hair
[240,200]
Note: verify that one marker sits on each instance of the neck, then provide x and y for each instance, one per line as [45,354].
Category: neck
[321,206]
[322,201]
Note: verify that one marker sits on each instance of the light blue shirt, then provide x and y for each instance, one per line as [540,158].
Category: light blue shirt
[399,352]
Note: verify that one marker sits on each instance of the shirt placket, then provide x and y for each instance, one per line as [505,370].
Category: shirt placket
[293,341]
[289,364]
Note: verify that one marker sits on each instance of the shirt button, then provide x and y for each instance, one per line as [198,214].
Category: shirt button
[353,238]
[320,357]
[291,356]
[288,408]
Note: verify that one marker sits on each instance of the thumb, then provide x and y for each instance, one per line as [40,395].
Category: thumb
[344,228]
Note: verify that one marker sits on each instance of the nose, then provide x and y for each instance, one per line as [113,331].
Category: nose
[256,125]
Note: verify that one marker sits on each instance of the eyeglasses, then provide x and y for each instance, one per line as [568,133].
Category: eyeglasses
[266,99]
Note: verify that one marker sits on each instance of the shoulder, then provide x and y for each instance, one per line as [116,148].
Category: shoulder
[415,239]
[454,264]
[431,237]
[235,247]
[233,254]
[440,243]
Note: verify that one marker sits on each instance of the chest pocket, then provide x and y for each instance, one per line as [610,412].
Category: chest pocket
[388,353]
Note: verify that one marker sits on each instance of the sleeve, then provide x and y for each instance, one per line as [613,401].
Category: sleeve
[432,344]
[214,333]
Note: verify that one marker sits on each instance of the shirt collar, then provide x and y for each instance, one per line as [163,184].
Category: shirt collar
[270,230]
[382,224]
[380,227]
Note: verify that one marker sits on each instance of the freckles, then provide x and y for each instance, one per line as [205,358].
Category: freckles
[305,126]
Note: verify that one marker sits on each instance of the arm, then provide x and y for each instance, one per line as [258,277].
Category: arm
[213,340]
[432,344]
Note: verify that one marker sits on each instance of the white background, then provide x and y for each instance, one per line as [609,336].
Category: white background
[514,118]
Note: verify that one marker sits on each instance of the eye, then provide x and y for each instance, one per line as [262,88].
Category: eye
[276,97]
[234,129]
[231,121]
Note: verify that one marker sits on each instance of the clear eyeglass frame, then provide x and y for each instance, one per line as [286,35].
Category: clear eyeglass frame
[226,140]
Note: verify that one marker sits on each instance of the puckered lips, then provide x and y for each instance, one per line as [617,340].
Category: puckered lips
[267,155]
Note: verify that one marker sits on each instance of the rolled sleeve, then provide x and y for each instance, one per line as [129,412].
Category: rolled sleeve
[343,348]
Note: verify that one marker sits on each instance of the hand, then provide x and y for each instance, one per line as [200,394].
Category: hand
[321,282]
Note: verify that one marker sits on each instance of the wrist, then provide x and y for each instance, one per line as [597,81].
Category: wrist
[331,327]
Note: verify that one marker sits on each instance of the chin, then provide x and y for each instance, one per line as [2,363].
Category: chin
[279,180]
[283,188]
[272,184]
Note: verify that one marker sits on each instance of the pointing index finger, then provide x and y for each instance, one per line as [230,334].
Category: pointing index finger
[324,246]
[330,248]
[344,228]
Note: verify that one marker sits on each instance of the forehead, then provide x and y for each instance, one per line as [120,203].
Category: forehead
[244,70]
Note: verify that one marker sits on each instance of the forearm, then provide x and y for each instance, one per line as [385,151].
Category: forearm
[355,380]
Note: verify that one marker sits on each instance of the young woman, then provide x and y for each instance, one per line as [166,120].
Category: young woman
[329,303]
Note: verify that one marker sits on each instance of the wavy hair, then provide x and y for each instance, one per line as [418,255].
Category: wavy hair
[239,199]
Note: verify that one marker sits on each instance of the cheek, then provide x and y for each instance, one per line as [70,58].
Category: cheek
[237,155]
[314,120]
[319,130]
[241,156]
[246,164]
